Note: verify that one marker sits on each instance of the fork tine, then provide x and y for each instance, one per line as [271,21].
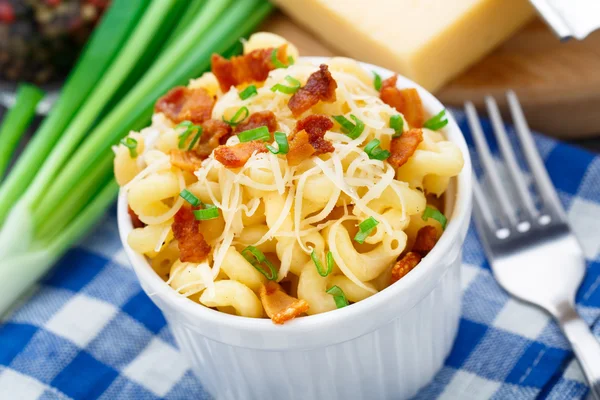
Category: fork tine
[536,165]
[484,212]
[509,157]
[488,164]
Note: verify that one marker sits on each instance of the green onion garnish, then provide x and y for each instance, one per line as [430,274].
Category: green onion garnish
[287,89]
[209,211]
[278,64]
[190,198]
[437,122]
[364,229]
[338,296]
[260,133]
[353,131]
[435,214]
[248,92]
[131,144]
[377,81]
[189,129]
[397,124]
[282,142]
[375,152]
[256,257]
[238,117]
[320,269]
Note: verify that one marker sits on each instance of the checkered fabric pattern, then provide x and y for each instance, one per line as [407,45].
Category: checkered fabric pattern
[89,331]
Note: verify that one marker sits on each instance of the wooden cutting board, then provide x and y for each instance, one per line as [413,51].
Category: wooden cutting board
[557,83]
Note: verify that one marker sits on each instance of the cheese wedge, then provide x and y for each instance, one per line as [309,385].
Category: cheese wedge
[429,41]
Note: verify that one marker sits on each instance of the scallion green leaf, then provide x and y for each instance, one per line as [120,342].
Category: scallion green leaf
[209,211]
[256,257]
[338,296]
[352,130]
[248,92]
[431,212]
[260,133]
[436,122]
[190,197]
[375,152]
[238,117]
[329,259]
[377,81]
[131,144]
[287,89]
[365,228]
[397,124]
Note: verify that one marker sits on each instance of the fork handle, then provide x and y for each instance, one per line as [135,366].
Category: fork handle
[585,346]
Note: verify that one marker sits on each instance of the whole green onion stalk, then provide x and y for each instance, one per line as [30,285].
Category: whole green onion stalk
[74,185]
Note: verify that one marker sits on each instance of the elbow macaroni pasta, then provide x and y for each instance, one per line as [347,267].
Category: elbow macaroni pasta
[287,212]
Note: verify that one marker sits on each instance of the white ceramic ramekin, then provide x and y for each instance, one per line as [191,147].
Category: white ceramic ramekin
[385,347]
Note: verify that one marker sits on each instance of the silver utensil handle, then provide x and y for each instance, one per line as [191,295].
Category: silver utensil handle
[585,346]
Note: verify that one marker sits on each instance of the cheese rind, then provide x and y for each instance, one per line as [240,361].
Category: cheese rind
[429,41]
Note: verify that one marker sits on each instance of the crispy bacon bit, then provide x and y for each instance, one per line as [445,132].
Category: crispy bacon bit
[308,138]
[426,239]
[135,220]
[300,148]
[405,265]
[251,67]
[186,160]
[316,126]
[236,156]
[280,306]
[258,119]
[406,101]
[186,229]
[403,147]
[184,104]
[214,133]
[320,86]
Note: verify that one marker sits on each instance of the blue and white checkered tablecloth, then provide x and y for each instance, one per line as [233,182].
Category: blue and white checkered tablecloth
[89,331]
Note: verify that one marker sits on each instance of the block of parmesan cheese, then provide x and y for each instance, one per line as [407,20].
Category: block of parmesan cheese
[429,41]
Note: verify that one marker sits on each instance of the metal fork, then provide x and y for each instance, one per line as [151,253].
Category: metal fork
[533,252]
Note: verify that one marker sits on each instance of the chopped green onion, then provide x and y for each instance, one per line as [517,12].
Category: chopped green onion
[353,131]
[131,144]
[375,152]
[256,257]
[190,198]
[196,138]
[365,228]
[397,124]
[437,122]
[209,211]
[431,212]
[260,133]
[287,89]
[338,296]
[248,92]
[319,265]
[190,128]
[282,142]
[238,117]
[377,81]
[278,64]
